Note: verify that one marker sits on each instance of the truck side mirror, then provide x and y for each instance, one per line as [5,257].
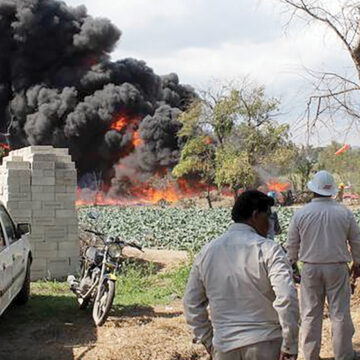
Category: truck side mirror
[23,229]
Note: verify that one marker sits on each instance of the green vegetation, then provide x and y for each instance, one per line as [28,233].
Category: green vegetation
[144,285]
[162,228]
[170,228]
[229,133]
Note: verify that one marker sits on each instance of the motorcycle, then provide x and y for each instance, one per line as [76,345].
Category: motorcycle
[98,274]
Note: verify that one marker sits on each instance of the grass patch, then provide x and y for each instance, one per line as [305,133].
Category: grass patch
[137,285]
[143,286]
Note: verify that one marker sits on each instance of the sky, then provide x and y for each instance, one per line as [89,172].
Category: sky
[207,40]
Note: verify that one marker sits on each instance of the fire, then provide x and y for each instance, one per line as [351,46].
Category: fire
[146,193]
[137,140]
[275,185]
[121,122]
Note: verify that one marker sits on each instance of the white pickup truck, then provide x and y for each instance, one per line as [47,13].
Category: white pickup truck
[15,261]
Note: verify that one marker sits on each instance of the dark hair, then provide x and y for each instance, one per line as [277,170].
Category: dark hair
[248,202]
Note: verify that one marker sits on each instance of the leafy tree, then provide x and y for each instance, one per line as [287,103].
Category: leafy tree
[228,132]
[345,167]
[304,163]
[198,157]
[233,165]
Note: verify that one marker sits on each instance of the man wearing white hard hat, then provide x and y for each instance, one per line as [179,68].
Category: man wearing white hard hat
[325,237]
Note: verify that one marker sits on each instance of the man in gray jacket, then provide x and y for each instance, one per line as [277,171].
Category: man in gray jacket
[320,236]
[246,280]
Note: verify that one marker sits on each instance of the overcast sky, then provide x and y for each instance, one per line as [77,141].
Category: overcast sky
[202,40]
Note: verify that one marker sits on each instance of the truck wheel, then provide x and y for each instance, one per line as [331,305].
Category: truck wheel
[23,296]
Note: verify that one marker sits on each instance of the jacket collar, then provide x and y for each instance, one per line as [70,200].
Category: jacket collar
[323,199]
[241,227]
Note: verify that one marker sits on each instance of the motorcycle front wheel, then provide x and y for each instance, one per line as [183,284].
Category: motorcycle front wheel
[103,302]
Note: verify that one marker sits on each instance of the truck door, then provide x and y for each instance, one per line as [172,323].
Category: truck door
[16,252]
[6,269]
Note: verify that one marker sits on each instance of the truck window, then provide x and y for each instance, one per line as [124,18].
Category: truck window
[8,224]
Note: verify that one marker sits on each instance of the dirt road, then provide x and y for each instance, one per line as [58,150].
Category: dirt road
[61,332]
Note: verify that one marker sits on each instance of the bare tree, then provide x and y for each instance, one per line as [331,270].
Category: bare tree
[335,93]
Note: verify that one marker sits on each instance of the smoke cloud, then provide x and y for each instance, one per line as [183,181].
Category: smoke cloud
[58,86]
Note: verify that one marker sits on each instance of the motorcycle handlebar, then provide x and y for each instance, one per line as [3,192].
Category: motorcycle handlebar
[132,244]
[94,232]
[136,246]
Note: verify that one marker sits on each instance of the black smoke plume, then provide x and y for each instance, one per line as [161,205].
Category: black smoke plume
[58,86]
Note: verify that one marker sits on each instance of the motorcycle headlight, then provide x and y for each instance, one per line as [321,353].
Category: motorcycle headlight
[114,250]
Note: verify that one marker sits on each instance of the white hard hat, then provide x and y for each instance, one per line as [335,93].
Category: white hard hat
[323,184]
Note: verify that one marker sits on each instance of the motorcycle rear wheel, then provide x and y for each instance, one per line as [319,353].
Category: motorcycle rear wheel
[103,302]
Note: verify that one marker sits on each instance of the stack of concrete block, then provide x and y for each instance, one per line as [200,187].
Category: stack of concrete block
[38,185]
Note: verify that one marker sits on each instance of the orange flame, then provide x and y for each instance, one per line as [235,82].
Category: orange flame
[145,193]
[120,123]
[137,140]
[275,185]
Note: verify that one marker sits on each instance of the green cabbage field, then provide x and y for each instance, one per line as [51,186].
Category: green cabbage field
[170,228]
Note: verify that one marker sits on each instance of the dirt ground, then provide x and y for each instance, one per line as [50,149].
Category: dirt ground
[131,333]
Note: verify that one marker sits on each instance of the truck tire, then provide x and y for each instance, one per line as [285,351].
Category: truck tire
[23,296]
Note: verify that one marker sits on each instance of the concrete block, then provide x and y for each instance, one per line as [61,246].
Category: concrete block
[68,205]
[21,213]
[51,205]
[9,164]
[43,165]
[49,189]
[43,196]
[25,205]
[43,181]
[38,275]
[71,189]
[38,264]
[63,159]
[60,188]
[64,213]
[67,221]
[63,165]
[43,221]
[37,189]
[35,157]
[39,148]
[25,188]
[26,220]
[61,151]
[72,229]
[67,182]
[36,238]
[46,254]
[65,197]
[46,246]
[12,205]
[71,246]
[13,196]
[66,173]
[50,173]
[69,254]
[43,213]
[56,233]
[12,157]
[36,204]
